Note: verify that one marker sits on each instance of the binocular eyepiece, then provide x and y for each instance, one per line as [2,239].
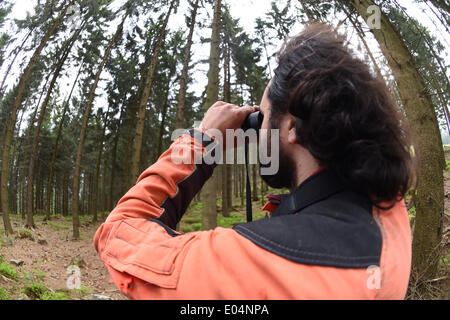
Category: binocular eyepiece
[253,121]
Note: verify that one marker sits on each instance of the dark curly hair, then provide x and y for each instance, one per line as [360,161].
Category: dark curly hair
[346,117]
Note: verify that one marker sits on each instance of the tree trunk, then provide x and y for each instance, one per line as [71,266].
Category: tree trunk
[33,153]
[361,35]
[97,171]
[137,143]
[55,148]
[113,161]
[165,109]
[421,115]
[103,197]
[76,176]
[13,60]
[226,169]
[16,105]
[307,12]
[209,210]
[65,198]
[184,73]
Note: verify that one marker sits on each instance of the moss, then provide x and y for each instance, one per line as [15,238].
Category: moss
[3,294]
[83,290]
[446,259]
[192,219]
[447,165]
[196,226]
[39,274]
[186,229]
[36,290]
[27,276]
[8,271]
[25,234]
[54,296]
[57,226]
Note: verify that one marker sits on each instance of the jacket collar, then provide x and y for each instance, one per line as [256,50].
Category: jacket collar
[314,189]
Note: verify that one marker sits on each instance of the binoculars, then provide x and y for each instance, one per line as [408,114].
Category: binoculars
[253,121]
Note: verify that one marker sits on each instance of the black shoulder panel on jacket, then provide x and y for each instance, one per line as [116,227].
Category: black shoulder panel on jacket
[333,227]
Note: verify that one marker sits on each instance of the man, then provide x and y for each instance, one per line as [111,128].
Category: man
[342,232]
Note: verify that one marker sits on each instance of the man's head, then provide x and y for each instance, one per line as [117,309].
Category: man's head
[333,113]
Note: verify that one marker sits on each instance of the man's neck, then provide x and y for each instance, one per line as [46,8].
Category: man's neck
[306,170]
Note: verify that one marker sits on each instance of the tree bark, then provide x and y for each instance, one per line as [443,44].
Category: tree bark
[16,105]
[226,169]
[13,60]
[421,114]
[76,176]
[97,171]
[113,161]
[137,143]
[165,109]
[361,35]
[103,196]
[184,73]
[33,153]
[55,148]
[209,190]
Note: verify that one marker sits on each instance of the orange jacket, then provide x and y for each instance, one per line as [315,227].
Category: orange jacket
[149,260]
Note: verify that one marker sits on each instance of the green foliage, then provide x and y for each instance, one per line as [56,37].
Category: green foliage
[25,234]
[8,271]
[27,276]
[447,165]
[39,273]
[446,259]
[36,290]
[57,226]
[3,294]
[186,229]
[49,295]
[83,290]
[192,219]
[412,214]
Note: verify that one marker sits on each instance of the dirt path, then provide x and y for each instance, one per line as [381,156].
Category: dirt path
[48,262]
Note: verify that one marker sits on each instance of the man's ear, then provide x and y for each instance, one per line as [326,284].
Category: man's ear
[292,134]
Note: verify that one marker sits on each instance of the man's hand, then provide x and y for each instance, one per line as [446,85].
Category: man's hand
[222,116]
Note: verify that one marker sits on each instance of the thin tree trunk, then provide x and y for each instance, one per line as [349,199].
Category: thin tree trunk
[226,169]
[103,197]
[65,198]
[76,176]
[363,40]
[97,171]
[16,105]
[307,12]
[33,153]
[429,196]
[13,60]
[209,210]
[165,110]
[55,148]
[137,143]
[113,161]
[184,73]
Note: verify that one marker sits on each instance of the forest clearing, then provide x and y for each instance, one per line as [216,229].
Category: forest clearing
[92,93]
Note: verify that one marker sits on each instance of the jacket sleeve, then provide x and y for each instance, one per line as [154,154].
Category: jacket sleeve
[137,241]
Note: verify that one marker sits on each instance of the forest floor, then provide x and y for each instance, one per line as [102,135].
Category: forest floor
[45,254]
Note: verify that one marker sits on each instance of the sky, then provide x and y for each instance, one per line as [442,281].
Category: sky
[247,11]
